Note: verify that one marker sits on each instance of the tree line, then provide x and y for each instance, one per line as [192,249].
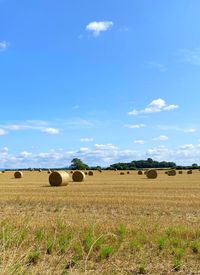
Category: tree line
[77,163]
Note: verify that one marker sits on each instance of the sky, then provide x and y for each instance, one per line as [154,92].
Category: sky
[105,81]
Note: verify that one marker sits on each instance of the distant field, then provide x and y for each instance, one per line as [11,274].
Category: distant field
[110,224]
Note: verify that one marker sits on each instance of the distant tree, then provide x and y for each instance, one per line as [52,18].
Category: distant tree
[77,164]
[195,165]
[95,168]
[141,164]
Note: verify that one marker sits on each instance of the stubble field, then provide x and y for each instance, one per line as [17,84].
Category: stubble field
[110,224]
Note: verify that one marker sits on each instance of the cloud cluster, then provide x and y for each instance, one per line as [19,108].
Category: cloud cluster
[86,139]
[182,155]
[191,56]
[3,132]
[51,131]
[41,126]
[135,126]
[4,45]
[191,130]
[99,154]
[157,105]
[50,127]
[97,27]
[161,138]
[139,141]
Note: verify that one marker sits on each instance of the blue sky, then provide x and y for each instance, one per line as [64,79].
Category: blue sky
[105,81]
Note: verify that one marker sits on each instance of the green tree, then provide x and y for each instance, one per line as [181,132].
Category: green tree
[77,164]
[141,164]
[194,165]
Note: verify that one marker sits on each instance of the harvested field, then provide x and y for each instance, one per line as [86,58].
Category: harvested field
[108,225]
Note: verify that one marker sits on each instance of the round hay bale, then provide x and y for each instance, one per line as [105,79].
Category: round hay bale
[71,172]
[180,172]
[3,172]
[151,174]
[189,172]
[58,178]
[49,172]
[140,172]
[85,173]
[18,175]
[122,173]
[100,171]
[166,172]
[90,173]
[78,176]
[128,172]
[172,172]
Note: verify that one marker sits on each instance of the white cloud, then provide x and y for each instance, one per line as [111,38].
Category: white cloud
[32,125]
[83,150]
[155,65]
[86,139]
[27,125]
[187,147]
[97,27]
[25,154]
[171,107]
[191,56]
[161,138]
[15,127]
[157,105]
[160,153]
[3,132]
[4,45]
[105,147]
[51,131]
[192,130]
[183,155]
[135,126]
[139,141]
[46,126]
